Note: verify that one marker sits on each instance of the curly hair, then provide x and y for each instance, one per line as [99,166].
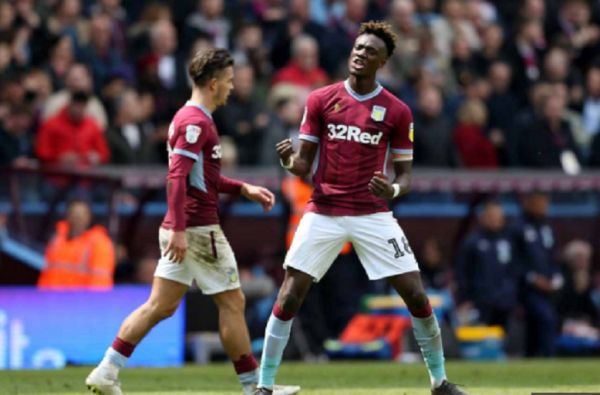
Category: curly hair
[207,64]
[383,30]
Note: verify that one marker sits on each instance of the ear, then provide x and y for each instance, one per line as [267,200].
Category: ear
[212,84]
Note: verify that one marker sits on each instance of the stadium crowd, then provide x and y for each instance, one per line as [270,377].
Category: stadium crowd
[491,83]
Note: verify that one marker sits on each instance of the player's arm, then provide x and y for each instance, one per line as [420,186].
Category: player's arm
[402,155]
[183,157]
[257,194]
[298,163]
[311,127]
[400,185]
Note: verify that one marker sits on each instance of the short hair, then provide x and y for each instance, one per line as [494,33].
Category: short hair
[206,64]
[383,30]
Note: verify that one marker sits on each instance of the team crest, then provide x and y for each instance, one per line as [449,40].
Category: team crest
[411,132]
[337,107]
[192,132]
[378,113]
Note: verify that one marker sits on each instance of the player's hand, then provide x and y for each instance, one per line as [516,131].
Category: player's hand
[380,186]
[259,195]
[177,246]
[285,150]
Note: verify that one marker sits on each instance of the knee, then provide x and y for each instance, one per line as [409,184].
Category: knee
[233,302]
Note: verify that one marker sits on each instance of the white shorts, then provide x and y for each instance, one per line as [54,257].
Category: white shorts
[377,239]
[209,260]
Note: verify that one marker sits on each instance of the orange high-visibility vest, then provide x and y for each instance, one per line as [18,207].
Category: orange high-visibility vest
[298,192]
[86,261]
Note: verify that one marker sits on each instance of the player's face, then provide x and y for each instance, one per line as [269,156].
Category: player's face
[367,56]
[223,86]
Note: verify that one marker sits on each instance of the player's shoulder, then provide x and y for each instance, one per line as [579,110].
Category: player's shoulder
[394,102]
[327,91]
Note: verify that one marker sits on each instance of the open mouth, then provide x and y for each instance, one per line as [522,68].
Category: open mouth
[358,64]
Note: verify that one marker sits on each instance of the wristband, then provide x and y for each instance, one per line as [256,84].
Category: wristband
[290,163]
[396,190]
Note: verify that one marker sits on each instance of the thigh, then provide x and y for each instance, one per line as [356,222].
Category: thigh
[317,242]
[212,261]
[167,293]
[168,269]
[381,245]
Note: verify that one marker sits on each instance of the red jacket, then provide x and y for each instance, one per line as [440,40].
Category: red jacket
[59,135]
[474,149]
[293,74]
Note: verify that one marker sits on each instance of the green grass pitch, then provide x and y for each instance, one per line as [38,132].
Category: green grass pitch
[347,378]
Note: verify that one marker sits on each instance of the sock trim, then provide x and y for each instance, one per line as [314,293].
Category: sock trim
[422,312]
[282,315]
[246,363]
[123,347]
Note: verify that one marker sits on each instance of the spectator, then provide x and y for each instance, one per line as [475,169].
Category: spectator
[342,31]
[288,104]
[452,26]
[502,105]
[71,137]
[525,55]
[405,60]
[298,23]
[591,104]
[15,137]
[425,12]
[101,55]
[62,58]
[433,143]
[541,276]
[434,269]
[492,41]
[162,72]
[474,148]
[548,141]
[303,70]
[78,79]
[249,49]
[129,141]
[557,70]
[78,255]
[579,315]
[574,28]
[244,118]
[209,21]
[487,270]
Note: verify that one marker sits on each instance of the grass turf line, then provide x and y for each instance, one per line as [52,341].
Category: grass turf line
[347,378]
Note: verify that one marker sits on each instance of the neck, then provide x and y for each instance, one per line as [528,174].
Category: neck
[362,85]
[201,96]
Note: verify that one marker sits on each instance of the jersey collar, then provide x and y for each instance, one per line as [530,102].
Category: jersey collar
[200,107]
[358,97]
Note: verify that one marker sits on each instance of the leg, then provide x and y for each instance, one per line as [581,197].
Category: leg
[162,303]
[232,323]
[164,299]
[425,326]
[291,295]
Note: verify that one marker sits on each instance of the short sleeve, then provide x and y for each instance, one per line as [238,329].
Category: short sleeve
[188,139]
[310,127]
[403,137]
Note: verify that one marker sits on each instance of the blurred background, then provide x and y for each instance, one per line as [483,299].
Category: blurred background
[504,213]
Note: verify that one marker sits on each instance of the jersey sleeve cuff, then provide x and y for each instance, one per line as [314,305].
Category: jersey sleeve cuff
[186,153]
[309,137]
[402,154]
